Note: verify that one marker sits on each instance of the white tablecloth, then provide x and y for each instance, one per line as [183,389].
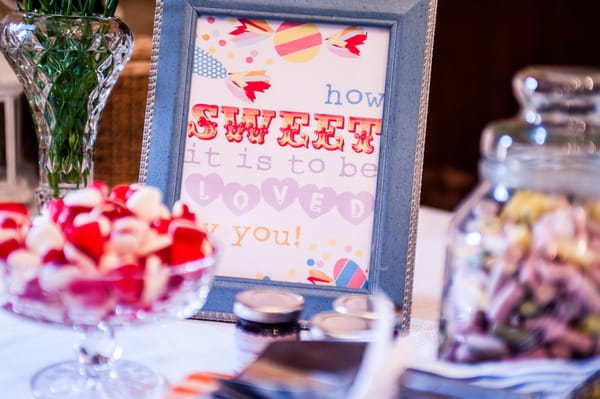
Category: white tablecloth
[177,348]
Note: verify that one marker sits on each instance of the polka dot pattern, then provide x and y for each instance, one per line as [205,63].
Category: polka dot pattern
[207,66]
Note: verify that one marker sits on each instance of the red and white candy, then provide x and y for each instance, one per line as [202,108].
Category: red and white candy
[97,244]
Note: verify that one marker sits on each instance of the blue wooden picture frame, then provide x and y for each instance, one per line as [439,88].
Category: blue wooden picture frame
[411,26]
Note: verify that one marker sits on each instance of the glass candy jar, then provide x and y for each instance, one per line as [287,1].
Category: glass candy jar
[523,261]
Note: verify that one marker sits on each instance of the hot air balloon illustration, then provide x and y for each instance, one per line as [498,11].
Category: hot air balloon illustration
[299,41]
[346,273]
[243,85]
[345,42]
[251,30]
[318,277]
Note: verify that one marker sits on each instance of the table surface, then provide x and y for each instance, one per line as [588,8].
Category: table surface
[178,348]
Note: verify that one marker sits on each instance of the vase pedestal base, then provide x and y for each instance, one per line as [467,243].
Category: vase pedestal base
[125,380]
[45,193]
[18,191]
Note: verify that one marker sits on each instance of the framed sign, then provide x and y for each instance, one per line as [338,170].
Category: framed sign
[295,129]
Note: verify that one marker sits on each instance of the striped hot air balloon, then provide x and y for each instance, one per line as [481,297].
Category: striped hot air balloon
[346,273]
[299,41]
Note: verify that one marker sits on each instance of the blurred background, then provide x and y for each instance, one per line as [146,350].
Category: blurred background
[479,45]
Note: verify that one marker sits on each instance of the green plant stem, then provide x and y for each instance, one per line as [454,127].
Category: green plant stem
[72,70]
[69,7]
[69,97]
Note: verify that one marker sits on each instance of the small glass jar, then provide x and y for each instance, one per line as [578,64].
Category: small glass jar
[362,305]
[262,316]
[335,326]
[356,304]
[523,261]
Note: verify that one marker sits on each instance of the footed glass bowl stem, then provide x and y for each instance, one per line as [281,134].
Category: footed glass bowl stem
[97,373]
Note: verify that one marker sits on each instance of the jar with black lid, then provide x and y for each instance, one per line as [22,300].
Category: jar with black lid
[265,315]
[523,261]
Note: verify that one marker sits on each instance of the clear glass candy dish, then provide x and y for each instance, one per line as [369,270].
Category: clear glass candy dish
[97,260]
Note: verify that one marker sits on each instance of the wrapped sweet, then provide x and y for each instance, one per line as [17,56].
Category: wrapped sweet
[102,255]
[523,260]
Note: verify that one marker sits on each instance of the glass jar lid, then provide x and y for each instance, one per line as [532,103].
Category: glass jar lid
[557,84]
[554,142]
[356,304]
[339,326]
[268,305]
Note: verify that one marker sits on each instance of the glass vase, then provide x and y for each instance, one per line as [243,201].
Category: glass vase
[68,66]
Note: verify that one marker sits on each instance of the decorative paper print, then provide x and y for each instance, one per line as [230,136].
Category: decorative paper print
[282,146]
